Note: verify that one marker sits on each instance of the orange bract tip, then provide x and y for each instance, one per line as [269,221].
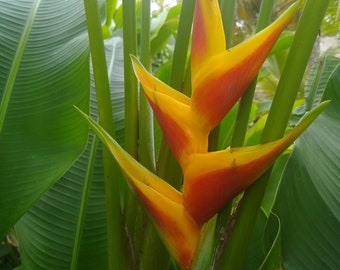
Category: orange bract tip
[180,126]
[164,204]
[208,34]
[224,174]
[223,77]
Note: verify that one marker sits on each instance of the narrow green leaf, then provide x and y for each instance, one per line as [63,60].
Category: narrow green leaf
[101,80]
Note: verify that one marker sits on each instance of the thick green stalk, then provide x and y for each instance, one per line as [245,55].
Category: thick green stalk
[130,80]
[146,128]
[242,120]
[110,7]
[113,208]
[246,101]
[290,81]
[168,168]
[228,15]
[146,237]
[241,125]
[131,203]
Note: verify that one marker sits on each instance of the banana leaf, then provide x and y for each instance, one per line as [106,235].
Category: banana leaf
[44,72]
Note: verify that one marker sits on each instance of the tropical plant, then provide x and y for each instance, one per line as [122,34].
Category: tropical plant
[193,186]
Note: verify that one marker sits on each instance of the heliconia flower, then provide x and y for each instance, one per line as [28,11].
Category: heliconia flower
[164,204]
[212,179]
[219,79]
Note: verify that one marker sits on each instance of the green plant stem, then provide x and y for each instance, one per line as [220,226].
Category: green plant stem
[242,120]
[246,101]
[146,237]
[130,80]
[241,125]
[168,168]
[113,208]
[146,127]
[306,33]
[110,6]
[228,15]
[131,203]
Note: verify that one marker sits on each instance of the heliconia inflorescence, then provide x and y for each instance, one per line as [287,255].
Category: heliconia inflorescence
[211,179]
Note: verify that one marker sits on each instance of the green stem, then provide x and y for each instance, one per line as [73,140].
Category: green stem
[146,237]
[110,7]
[131,203]
[130,80]
[146,128]
[228,15]
[242,120]
[279,114]
[246,101]
[306,33]
[168,168]
[113,208]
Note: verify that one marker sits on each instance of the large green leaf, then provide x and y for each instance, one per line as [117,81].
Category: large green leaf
[43,73]
[308,201]
[47,232]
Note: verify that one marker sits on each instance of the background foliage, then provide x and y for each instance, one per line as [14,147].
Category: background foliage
[52,192]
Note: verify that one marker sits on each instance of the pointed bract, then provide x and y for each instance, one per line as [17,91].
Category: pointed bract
[208,35]
[224,174]
[172,109]
[223,78]
[163,203]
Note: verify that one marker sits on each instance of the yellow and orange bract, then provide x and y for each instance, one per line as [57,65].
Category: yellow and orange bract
[164,204]
[219,78]
[224,174]
[211,179]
